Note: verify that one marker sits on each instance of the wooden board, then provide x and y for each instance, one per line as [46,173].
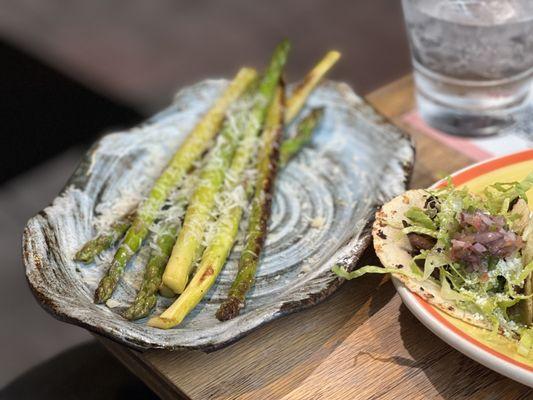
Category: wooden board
[361,343]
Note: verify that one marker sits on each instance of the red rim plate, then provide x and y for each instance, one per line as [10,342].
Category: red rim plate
[461,177]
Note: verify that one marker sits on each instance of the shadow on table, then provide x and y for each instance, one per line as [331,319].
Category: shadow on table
[313,341]
[274,360]
[48,109]
[368,295]
[84,372]
[452,374]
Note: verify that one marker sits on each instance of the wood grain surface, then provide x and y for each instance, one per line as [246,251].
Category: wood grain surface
[361,343]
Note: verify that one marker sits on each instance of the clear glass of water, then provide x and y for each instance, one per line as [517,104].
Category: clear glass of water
[472,61]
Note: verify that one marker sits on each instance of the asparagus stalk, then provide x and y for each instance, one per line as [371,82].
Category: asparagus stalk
[261,206]
[227,230]
[214,257]
[162,243]
[245,128]
[304,133]
[260,214]
[294,104]
[301,93]
[236,187]
[220,246]
[147,296]
[192,149]
[212,261]
[103,241]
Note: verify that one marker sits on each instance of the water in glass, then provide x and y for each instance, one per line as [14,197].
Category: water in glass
[472,61]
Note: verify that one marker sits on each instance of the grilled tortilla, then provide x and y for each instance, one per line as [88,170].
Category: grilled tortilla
[394,250]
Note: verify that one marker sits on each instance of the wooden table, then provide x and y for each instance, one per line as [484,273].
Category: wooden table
[361,343]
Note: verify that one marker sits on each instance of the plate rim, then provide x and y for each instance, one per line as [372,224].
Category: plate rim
[428,314]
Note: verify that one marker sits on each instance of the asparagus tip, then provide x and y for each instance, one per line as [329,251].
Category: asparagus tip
[84,257]
[285,43]
[229,309]
[334,55]
[103,291]
[141,308]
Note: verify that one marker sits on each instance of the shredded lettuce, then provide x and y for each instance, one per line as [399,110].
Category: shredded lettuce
[522,275]
[451,205]
[371,269]
[526,342]
[434,261]
[447,292]
[420,218]
[415,269]
[456,269]
[493,294]
[420,229]
[499,194]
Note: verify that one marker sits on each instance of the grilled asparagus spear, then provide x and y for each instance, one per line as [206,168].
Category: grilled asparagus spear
[260,214]
[191,150]
[236,186]
[304,133]
[103,241]
[295,102]
[147,295]
[244,128]
[301,93]
[261,205]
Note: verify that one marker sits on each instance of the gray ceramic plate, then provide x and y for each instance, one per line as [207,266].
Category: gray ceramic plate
[324,201]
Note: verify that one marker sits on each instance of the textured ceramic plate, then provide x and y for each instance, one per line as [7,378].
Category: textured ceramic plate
[493,351]
[323,203]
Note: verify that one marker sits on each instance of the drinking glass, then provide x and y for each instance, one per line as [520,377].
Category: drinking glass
[472,61]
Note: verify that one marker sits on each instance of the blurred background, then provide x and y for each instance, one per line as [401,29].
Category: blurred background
[72,70]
